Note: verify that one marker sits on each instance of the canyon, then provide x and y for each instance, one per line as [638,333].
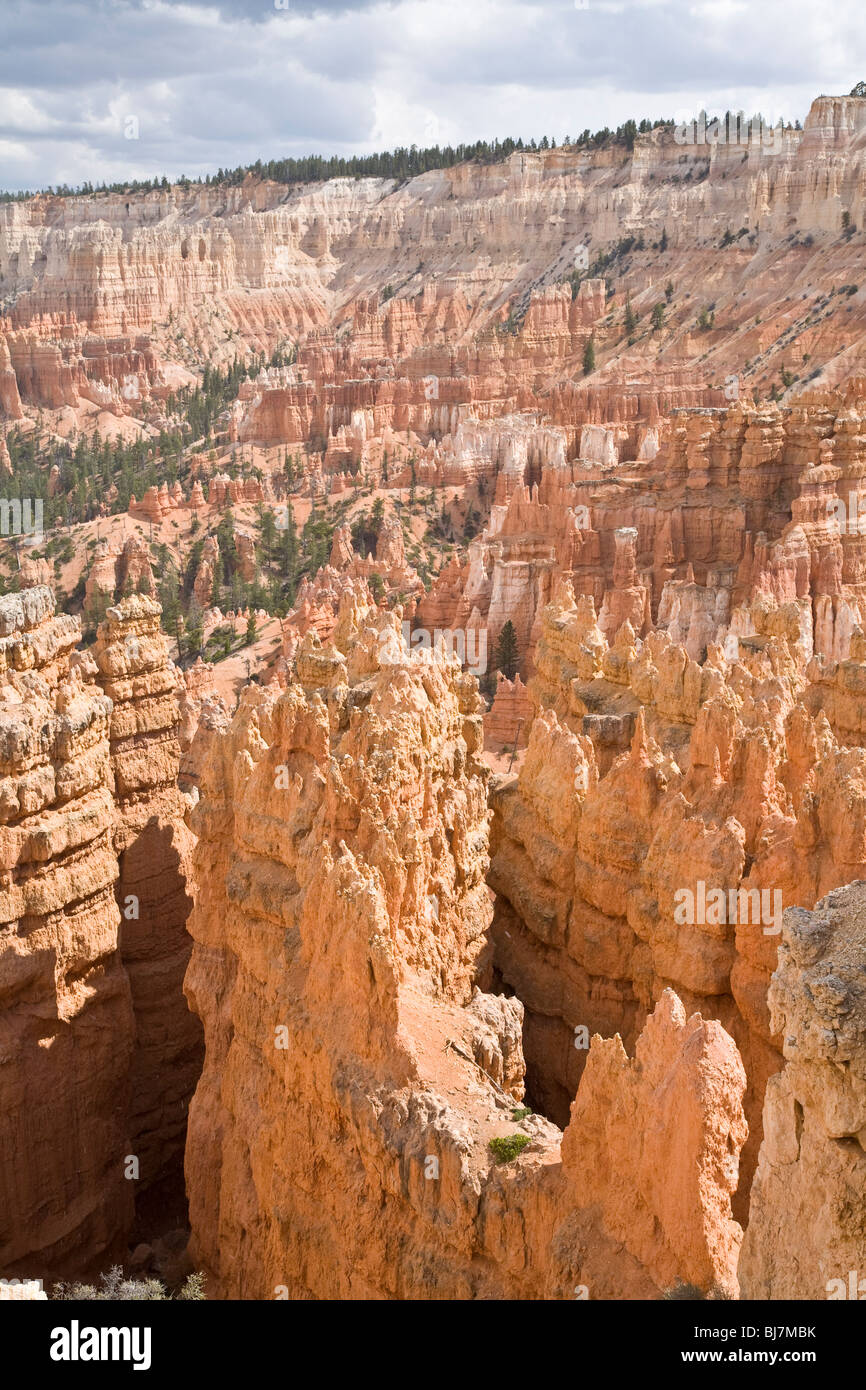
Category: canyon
[433,787]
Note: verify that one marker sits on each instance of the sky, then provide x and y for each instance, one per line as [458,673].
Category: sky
[94,90]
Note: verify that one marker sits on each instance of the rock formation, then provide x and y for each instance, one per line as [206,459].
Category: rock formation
[506,724]
[362,1076]
[98,1052]
[807,1232]
[393,947]
[66,1020]
[100,289]
[116,570]
[154,851]
[648,781]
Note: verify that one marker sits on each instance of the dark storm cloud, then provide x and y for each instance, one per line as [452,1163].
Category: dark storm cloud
[226,82]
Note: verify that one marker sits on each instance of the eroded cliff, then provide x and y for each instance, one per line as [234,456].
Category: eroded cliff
[339,1141]
[808,1230]
[99,1053]
[105,290]
[67,1020]
[154,853]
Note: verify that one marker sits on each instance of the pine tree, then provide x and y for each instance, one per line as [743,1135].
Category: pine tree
[194,629]
[290,547]
[268,533]
[630,316]
[506,654]
[589,357]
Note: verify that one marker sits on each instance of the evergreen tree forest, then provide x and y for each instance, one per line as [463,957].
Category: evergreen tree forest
[401,164]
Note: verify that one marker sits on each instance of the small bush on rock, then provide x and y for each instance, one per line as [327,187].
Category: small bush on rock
[114,1286]
[509,1146]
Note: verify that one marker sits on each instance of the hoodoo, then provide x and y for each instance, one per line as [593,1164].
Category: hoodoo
[357,1082]
[100,1054]
[433,706]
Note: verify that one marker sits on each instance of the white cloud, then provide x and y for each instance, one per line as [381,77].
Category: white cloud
[229,81]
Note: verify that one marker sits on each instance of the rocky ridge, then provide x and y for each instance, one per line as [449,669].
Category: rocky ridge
[104,295]
[98,1061]
[353,1065]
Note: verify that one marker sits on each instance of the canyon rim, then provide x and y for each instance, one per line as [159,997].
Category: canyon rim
[433,721]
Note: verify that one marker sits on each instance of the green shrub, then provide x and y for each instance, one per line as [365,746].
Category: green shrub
[509,1146]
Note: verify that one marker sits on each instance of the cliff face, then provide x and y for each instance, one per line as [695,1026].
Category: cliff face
[105,287]
[66,1021]
[808,1228]
[391,951]
[355,1074]
[154,852]
[709,523]
[650,782]
[98,1051]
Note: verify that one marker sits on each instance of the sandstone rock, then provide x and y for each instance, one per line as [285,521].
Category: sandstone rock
[366,1082]
[808,1225]
[154,852]
[66,1021]
[728,782]
[506,724]
[26,1291]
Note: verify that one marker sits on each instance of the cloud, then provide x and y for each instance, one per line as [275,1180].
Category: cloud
[257,11]
[214,83]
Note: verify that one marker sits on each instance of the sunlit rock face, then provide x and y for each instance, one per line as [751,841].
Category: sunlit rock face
[808,1227]
[102,291]
[355,1074]
[66,1019]
[100,1053]
[154,891]
[650,783]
